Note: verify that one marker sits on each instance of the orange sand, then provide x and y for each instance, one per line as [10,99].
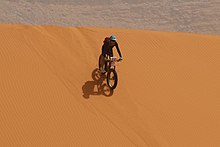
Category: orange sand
[168,91]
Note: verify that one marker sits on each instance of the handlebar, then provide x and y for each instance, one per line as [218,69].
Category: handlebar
[108,60]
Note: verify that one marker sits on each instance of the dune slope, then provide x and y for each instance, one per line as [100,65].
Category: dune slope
[168,91]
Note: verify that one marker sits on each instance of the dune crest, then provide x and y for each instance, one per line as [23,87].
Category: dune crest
[168,91]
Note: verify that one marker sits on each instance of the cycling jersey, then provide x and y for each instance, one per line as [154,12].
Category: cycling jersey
[107,49]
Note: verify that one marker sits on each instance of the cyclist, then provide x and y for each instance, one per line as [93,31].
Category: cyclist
[107,47]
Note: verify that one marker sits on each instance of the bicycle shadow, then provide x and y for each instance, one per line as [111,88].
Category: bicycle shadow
[97,86]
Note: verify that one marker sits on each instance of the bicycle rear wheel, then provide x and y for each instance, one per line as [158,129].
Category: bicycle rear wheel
[112,79]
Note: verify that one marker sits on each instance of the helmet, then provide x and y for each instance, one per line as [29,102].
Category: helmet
[113,38]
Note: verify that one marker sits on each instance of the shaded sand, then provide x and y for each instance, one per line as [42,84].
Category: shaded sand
[168,91]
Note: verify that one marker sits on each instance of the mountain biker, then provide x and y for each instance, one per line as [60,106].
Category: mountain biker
[107,47]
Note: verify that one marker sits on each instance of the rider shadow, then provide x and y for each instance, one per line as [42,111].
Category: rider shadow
[97,86]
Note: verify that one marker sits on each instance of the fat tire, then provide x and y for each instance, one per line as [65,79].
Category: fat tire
[115,80]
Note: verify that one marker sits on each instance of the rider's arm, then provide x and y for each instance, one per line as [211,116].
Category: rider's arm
[118,50]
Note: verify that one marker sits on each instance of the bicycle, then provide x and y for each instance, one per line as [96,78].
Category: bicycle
[110,67]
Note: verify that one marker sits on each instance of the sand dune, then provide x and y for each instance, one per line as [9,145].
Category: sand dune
[168,91]
[197,16]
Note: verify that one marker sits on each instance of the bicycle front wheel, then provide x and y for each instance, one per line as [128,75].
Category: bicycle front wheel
[112,79]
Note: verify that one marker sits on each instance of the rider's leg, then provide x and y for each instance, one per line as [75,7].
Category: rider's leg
[102,62]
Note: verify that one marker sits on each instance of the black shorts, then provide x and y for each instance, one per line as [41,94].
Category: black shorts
[104,53]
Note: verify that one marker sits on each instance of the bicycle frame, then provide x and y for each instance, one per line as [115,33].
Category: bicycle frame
[112,62]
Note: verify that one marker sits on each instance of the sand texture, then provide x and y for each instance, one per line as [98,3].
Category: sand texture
[167,95]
